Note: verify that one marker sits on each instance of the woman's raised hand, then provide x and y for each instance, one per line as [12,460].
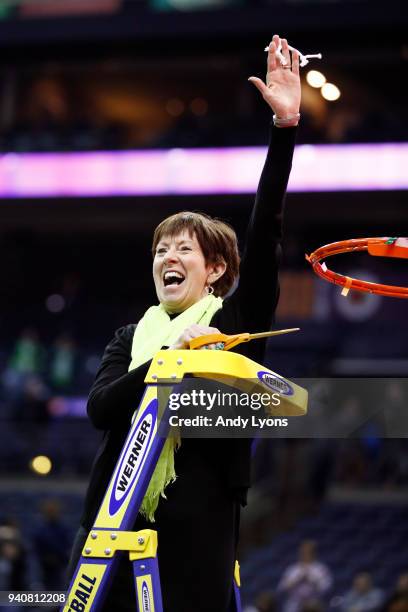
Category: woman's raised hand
[193,331]
[282,88]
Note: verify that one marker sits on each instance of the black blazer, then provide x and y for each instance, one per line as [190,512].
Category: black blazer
[116,392]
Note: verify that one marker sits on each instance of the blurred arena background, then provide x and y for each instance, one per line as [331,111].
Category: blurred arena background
[88,90]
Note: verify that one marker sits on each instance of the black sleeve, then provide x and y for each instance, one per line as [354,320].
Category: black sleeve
[253,303]
[116,392]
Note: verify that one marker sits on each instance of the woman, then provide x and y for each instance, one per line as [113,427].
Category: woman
[196,264]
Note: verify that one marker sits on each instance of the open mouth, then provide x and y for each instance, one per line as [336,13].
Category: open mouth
[172,278]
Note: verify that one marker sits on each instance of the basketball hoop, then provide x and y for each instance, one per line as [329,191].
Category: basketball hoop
[379,247]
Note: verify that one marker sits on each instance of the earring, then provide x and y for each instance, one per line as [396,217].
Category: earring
[210,289]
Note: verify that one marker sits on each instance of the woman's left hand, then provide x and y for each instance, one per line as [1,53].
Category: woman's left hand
[282,89]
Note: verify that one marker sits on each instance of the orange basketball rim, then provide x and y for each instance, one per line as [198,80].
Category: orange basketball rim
[380,247]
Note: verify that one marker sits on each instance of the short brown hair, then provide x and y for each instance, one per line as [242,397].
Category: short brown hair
[218,242]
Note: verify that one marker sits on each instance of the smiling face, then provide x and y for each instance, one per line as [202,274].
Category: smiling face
[181,273]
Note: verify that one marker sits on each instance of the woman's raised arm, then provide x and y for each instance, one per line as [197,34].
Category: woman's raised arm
[255,300]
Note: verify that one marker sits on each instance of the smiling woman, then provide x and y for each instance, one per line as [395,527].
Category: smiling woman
[191,252]
[195,266]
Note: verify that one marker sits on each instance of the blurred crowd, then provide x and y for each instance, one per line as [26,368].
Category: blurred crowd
[32,375]
[306,586]
[105,111]
[37,562]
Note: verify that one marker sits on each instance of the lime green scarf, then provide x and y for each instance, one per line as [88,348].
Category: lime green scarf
[153,331]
